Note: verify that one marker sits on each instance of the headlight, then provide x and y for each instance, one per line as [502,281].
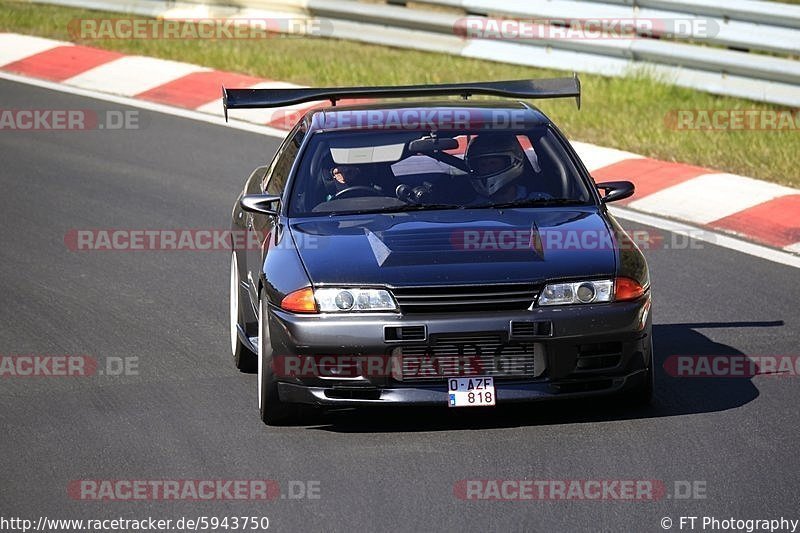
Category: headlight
[578,292]
[349,300]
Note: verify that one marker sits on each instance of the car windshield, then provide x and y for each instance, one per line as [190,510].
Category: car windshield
[391,171]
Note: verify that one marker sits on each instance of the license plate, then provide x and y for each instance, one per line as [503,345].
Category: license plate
[470,392]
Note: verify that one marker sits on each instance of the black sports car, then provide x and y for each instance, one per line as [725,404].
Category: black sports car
[442,253]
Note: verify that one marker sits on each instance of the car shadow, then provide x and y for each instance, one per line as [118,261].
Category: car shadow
[674,396]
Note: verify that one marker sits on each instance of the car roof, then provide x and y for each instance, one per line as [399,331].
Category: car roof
[447,114]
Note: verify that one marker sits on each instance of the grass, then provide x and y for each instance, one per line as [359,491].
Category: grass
[626,113]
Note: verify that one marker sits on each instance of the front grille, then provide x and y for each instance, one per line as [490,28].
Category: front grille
[522,329]
[465,298]
[470,355]
[353,393]
[404,333]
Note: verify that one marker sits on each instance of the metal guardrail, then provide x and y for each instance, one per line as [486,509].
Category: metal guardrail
[744,48]
[696,24]
[770,13]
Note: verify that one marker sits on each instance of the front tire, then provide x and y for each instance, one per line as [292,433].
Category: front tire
[273,410]
[243,357]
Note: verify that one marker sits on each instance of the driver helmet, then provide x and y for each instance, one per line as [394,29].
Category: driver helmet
[494,161]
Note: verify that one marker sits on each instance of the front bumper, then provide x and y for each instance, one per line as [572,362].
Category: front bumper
[588,350]
[437,395]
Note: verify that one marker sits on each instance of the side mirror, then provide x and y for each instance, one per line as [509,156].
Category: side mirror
[616,190]
[265,204]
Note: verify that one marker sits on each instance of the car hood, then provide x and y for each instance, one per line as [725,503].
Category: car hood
[455,246]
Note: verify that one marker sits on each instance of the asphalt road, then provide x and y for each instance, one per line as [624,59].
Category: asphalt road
[188,414]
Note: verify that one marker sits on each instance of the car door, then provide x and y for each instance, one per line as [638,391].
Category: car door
[260,227]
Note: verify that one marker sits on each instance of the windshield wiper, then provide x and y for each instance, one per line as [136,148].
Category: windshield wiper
[537,202]
[412,207]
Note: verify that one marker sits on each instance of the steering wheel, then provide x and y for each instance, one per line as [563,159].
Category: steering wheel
[357,188]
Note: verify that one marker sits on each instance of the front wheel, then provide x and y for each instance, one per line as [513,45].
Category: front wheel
[273,410]
[243,358]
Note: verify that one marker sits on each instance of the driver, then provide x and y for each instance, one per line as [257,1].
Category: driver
[340,178]
[348,181]
[495,163]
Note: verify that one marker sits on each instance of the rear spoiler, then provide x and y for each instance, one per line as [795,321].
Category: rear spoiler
[541,88]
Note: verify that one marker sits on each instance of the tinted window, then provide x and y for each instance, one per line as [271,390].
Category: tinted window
[358,171]
[282,164]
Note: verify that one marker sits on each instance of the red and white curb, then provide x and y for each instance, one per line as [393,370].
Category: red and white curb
[752,209]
